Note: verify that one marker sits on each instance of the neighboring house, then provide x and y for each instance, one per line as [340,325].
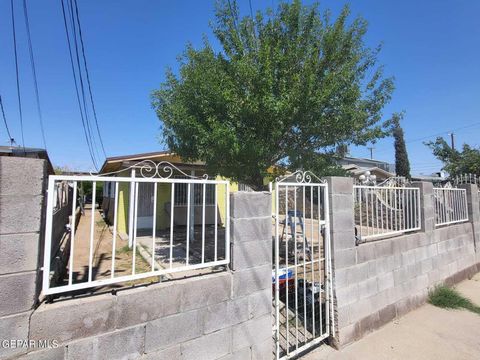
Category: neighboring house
[130,165]
[359,166]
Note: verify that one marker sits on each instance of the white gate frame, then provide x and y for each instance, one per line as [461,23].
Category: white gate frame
[304,179]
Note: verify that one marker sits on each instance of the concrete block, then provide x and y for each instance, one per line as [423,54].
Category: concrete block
[348,334]
[366,252]
[22,176]
[136,306]
[211,346]
[367,288]
[251,254]
[344,258]
[385,264]
[370,323]
[252,280]
[241,354]
[172,353]
[225,314]
[260,303]
[174,329]
[341,277]
[347,295]
[250,204]
[251,332]
[343,239]
[384,248]
[253,229]
[13,327]
[206,290]
[59,353]
[408,257]
[426,266]
[358,273]
[385,281]
[340,185]
[20,213]
[17,292]
[19,252]
[73,319]
[120,344]
[342,220]
[262,350]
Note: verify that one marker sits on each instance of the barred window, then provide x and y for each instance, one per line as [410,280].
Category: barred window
[181,192]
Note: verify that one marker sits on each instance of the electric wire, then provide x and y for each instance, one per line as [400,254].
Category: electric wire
[88,78]
[19,97]
[10,138]
[82,86]
[87,139]
[32,62]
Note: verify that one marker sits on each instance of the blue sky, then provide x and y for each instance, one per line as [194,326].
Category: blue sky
[431,47]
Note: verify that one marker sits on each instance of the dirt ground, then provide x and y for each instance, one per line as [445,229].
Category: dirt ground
[427,333]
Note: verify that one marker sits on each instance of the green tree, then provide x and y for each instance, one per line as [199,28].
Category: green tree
[286,88]
[456,162]
[402,165]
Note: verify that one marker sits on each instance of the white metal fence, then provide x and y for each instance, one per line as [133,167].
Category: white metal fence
[302,267]
[450,205]
[385,210]
[176,239]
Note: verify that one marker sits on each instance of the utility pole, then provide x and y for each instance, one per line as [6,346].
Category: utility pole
[452,140]
[371,148]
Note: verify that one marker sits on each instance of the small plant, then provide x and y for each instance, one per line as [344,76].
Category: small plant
[125,249]
[448,298]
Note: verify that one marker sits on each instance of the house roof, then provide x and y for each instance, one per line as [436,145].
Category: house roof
[358,170]
[116,163]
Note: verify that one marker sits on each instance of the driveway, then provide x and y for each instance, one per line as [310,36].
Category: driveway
[426,333]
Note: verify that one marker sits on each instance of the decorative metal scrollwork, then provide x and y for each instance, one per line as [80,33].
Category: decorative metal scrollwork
[301,177]
[162,170]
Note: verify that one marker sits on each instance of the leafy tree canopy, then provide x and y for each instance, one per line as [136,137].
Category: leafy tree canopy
[286,88]
[466,161]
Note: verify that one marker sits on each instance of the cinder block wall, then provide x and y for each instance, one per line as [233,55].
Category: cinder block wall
[224,315]
[379,280]
[22,190]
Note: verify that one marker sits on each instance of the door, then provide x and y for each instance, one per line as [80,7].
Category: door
[301,273]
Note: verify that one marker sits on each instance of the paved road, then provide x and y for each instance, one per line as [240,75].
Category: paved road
[426,333]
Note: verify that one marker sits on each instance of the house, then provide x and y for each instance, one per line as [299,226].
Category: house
[137,165]
[360,166]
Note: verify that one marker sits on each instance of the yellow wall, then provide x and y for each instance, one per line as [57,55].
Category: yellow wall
[221,198]
[164,193]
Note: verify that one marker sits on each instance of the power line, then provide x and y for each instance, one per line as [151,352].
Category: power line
[88,78]
[32,62]
[10,138]
[17,76]
[82,87]
[76,87]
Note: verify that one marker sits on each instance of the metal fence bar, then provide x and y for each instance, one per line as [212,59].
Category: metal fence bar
[129,213]
[381,211]
[115,220]
[154,225]
[92,230]
[72,234]
[450,206]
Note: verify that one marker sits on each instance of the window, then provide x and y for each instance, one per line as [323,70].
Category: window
[181,192]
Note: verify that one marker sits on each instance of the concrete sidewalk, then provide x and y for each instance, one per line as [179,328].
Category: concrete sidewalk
[426,333]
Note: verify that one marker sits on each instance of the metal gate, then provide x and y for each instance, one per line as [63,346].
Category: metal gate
[302,265]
